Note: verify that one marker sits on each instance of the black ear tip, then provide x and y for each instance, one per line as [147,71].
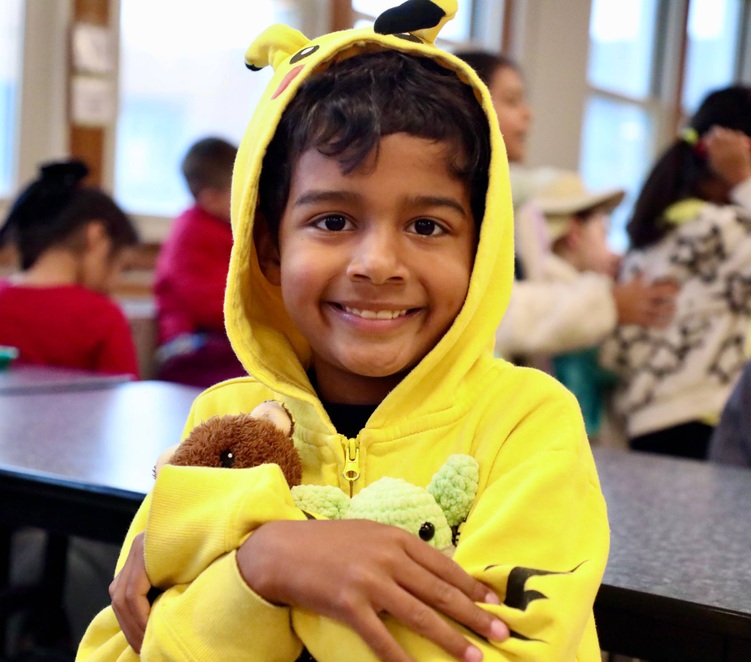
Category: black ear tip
[252,67]
[409,16]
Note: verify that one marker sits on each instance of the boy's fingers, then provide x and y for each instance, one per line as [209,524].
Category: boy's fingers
[433,591]
[380,640]
[423,620]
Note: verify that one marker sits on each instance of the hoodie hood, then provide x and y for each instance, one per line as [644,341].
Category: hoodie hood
[262,335]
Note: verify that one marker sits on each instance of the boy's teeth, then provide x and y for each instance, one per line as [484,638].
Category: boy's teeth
[375,314]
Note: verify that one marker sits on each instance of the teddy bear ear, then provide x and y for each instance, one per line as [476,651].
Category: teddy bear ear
[274,45]
[323,500]
[275,413]
[454,487]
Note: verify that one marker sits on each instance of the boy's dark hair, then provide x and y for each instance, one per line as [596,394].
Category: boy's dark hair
[682,170]
[486,64]
[208,164]
[53,209]
[344,111]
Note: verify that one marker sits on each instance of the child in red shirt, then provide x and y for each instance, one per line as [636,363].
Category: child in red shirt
[191,274]
[71,242]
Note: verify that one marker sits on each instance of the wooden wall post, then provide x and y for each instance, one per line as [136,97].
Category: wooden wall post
[88,142]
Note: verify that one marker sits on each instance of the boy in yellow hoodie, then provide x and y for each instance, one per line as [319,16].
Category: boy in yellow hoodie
[372,262]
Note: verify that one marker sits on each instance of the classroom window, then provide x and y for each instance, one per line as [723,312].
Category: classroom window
[713,45]
[182,77]
[650,64]
[622,38]
[11,29]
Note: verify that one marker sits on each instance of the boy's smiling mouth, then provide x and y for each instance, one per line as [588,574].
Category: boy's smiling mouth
[375,314]
[372,313]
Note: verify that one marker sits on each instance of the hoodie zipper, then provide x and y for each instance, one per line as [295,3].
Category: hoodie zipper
[351,464]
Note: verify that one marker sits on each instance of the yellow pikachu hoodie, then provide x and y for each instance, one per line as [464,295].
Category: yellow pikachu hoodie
[538,531]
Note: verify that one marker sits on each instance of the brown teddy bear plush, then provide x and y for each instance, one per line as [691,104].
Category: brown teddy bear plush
[240,441]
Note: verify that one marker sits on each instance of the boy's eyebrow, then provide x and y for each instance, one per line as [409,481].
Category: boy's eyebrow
[313,197]
[438,201]
[317,196]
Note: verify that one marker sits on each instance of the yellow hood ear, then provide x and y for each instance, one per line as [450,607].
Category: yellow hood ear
[422,18]
[274,45]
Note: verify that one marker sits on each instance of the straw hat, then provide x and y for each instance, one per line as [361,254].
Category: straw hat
[567,196]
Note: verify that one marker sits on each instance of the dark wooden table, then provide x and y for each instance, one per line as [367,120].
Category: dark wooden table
[25,378]
[78,462]
[678,581]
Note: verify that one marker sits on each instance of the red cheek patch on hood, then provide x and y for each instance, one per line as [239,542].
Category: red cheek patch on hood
[291,75]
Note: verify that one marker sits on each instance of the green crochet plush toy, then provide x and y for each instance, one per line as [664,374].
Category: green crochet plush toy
[433,513]
[265,436]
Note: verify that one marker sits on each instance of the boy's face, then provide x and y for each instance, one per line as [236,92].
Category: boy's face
[374,265]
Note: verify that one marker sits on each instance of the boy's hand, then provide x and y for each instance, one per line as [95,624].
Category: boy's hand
[645,304]
[128,592]
[729,154]
[355,571]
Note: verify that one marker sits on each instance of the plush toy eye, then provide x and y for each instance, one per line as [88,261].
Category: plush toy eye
[227,459]
[427,531]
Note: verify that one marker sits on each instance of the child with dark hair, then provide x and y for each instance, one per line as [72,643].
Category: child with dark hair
[71,240]
[373,258]
[691,224]
[191,274]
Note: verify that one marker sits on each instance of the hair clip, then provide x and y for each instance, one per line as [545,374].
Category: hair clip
[691,136]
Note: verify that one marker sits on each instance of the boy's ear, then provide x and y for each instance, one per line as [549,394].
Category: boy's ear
[267,249]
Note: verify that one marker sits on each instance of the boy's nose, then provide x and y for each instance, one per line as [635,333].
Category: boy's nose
[377,258]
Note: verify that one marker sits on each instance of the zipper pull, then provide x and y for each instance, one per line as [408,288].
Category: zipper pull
[351,463]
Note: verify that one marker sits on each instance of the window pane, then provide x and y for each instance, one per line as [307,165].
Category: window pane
[622,38]
[457,29]
[182,77]
[714,28]
[617,150]
[11,29]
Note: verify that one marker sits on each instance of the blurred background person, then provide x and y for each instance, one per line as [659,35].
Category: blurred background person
[71,241]
[191,274]
[577,224]
[691,224]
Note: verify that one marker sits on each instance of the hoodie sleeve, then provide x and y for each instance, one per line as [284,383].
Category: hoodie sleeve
[194,520]
[538,534]
[539,537]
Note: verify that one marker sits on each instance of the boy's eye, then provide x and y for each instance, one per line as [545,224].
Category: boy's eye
[335,223]
[427,228]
